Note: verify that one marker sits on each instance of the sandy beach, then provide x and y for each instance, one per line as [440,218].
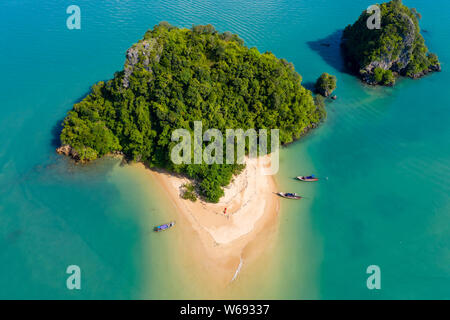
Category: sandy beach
[224,242]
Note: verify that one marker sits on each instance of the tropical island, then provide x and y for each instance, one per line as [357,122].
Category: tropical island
[176,76]
[380,56]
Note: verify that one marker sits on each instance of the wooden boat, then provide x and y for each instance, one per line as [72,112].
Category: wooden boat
[164,226]
[310,178]
[288,195]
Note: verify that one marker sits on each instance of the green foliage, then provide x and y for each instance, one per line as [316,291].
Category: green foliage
[325,84]
[189,192]
[378,74]
[399,34]
[384,77]
[433,59]
[173,77]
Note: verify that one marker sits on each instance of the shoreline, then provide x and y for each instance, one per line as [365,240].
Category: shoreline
[223,244]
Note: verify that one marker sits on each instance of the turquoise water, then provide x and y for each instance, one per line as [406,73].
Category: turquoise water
[385,152]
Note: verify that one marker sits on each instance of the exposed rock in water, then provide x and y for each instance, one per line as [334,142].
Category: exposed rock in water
[173,78]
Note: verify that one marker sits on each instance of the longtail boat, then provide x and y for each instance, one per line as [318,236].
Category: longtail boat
[288,195]
[164,226]
[310,178]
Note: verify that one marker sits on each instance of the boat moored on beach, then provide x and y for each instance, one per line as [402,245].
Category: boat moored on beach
[310,178]
[164,226]
[289,195]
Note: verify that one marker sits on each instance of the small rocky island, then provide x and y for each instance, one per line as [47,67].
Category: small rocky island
[379,56]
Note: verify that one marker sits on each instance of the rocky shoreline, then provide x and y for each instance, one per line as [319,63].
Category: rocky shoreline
[68,151]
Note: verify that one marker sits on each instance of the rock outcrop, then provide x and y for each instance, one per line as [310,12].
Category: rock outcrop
[325,84]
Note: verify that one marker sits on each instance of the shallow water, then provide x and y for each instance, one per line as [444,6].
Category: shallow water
[385,152]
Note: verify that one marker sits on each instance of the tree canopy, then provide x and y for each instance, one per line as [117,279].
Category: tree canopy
[173,77]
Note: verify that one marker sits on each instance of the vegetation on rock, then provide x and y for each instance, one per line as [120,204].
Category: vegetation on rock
[325,84]
[189,192]
[397,48]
